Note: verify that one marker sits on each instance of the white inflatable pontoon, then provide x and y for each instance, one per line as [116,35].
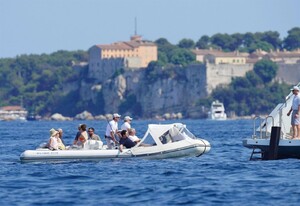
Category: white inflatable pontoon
[160,141]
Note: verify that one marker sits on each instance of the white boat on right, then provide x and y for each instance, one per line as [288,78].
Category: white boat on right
[217,111]
[261,140]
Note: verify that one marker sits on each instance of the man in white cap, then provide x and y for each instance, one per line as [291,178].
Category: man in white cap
[126,125]
[111,130]
[295,109]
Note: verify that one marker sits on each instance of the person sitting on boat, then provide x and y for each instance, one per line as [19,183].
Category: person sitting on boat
[126,125]
[125,141]
[60,132]
[111,130]
[295,109]
[53,140]
[83,136]
[92,135]
[132,135]
[61,144]
[77,135]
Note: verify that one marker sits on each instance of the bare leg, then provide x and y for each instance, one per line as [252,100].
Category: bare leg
[294,131]
[298,131]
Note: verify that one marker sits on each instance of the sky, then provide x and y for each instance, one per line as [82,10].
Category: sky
[46,26]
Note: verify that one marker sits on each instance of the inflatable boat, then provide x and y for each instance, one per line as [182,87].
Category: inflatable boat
[159,142]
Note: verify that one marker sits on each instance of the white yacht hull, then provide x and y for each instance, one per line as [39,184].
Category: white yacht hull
[286,148]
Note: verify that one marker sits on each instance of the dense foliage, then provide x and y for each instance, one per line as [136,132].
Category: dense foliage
[181,54]
[254,93]
[36,81]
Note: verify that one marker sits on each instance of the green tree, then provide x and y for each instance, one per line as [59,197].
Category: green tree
[203,42]
[186,44]
[266,70]
[182,57]
[292,41]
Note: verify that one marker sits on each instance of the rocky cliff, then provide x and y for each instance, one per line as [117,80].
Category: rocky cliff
[153,91]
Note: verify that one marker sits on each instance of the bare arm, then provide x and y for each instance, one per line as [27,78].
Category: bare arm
[112,135]
[121,148]
[288,114]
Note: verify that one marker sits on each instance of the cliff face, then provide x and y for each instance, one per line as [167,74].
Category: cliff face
[150,92]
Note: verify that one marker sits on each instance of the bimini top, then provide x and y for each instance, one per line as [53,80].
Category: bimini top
[166,133]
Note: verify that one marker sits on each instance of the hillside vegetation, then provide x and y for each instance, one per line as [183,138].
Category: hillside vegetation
[37,81]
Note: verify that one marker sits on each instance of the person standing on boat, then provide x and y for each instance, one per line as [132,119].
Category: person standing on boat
[125,141]
[295,109]
[126,125]
[111,130]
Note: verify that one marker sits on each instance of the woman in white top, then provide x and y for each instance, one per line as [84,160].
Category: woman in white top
[53,141]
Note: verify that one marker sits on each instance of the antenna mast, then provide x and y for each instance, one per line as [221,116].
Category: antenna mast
[135,26]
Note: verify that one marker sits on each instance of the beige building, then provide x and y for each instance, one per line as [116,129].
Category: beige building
[225,58]
[286,57]
[136,53]
[219,57]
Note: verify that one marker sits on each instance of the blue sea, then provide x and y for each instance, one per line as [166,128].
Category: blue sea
[224,176]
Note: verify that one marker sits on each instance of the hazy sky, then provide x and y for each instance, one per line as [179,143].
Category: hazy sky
[45,26]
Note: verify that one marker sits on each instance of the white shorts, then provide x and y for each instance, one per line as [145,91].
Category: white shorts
[294,120]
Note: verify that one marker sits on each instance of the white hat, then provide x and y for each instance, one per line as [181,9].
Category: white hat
[53,132]
[127,118]
[295,88]
[116,115]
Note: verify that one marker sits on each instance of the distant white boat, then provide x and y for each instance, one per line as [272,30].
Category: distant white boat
[217,111]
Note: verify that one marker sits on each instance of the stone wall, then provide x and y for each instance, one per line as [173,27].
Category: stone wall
[222,74]
[288,73]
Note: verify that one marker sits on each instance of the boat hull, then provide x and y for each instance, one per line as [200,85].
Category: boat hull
[286,148]
[86,155]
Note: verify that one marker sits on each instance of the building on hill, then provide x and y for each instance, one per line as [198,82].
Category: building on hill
[13,113]
[225,58]
[200,53]
[136,53]
[213,56]
[286,57]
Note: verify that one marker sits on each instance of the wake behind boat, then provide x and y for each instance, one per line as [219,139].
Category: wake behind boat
[260,142]
[162,141]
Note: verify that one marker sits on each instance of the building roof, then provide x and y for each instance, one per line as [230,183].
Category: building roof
[12,108]
[218,53]
[129,45]
[283,55]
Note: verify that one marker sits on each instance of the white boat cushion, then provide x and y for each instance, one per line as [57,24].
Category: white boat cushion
[93,144]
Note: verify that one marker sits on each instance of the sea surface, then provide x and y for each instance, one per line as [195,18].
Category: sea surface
[224,176]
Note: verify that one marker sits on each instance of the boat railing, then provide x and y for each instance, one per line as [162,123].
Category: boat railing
[262,134]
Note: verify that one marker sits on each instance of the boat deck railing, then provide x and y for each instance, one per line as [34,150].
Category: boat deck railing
[263,133]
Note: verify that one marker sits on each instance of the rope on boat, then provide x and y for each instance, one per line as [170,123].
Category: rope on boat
[203,150]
